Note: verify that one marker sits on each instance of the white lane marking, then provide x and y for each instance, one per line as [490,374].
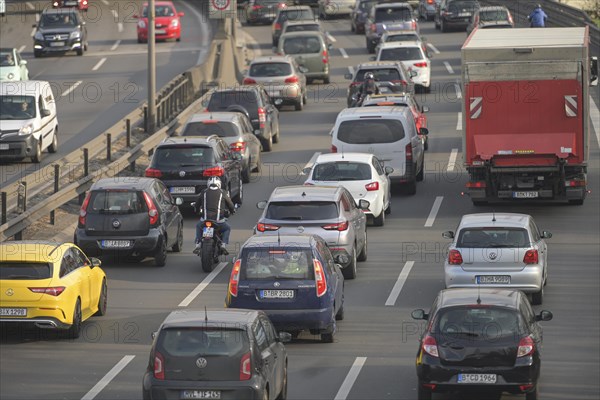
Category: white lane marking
[399,283]
[105,2]
[98,387]
[202,285]
[344,54]
[432,47]
[458,91]
[73,87]
[342,394]
[99,64]
[120,27]
[115,14]
[595,116]
[21,48]
[33,31]
[351,70]
[331,38]
[114,46]
[434,210]
[459,122]
[37,17]
[30,6]
[448,67]
[452,160]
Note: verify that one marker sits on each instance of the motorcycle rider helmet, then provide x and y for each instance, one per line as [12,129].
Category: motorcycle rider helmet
[214,182]
[538,5]
[369,76]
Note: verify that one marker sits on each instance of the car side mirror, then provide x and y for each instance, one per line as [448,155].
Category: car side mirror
[261,205]
[413,74]
[544,315]
[153,335]
[23,62]
[45,112]
[424,109]
[594,71]
[306,170]
[388,170]
[423,131]
[278,102]
[95,262]
[284,337]
[347,76]
[364,204]
[373,58]
[419,314]
[179,201]
[341,259]
[448,235]
[181,14]
[546,235]
[274,49]
[329,45]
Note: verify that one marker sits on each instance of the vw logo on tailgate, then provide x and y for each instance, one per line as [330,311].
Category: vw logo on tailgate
[201,362]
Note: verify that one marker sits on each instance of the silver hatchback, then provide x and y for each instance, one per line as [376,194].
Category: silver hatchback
[326,211]
[501,250]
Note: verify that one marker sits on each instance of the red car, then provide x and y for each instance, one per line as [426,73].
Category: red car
[167,22]
[80,4]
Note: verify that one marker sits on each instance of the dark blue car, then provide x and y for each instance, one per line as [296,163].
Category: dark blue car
[293,279]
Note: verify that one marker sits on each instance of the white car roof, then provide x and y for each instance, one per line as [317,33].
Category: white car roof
[374,112]
[509,220]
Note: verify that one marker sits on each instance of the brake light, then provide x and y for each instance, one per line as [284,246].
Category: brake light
[454,257]
[333,149]
[159,371]
[341,226]
[430,346]
[402,82]
[292,79]
[526,346]
[277,26]
[153,173]
[281,5]
[52,291]
[214,171]
[325,57]
[266,227]
[234,279]
[476,185]
[420,64]
[256,7]
[413,25]
[354,84]
[248,81]
[152,211]
[429,1]
[83,211]
[372,186]
[262,116]
[408,151]
[531,257]
[575,183]
[238,146]
[208,223]
[320,278]
[245,370]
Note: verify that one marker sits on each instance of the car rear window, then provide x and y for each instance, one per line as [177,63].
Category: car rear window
[303,28]
[116,202]
[457,6]
[401,37]
[493,15]
[182,156]
[369,131]
[279,263]
[493,237]
[384,74]
[294,15]
[188,342]
[58,20]
[270,69]
[302,210]
[342,171]
[401,54]
[393,14]
[301,45]
[10,270]
[220,101]
[207,128]
[474,322]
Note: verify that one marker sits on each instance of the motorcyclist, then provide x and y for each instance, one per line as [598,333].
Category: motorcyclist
[368,87]
[537,17]
[214,204]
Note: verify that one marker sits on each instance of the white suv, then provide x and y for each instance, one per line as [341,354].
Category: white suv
[390,134]
[413,57]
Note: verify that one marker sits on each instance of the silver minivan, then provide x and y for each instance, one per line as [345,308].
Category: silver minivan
[310,50]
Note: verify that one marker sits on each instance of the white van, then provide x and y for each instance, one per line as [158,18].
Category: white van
[390,134]
[28,121]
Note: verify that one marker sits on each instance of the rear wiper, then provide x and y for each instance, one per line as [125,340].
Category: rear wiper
[472,334]
[292,218]
[188,165]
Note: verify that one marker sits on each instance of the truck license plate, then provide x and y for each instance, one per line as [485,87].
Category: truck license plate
[476,378]
[525,195]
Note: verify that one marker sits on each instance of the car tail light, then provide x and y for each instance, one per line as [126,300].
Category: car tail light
[52,291]
[281,5]
[333,149]
[354,84]
[277,26]
[455,258]
[55,4]
[245,367]
[341,226]
[234,279]
[531,257]
[266,227]
[476,185]
[320,278]
[430,1]
[238,146]
[576,183]
[152,211]
[420,64]
[159,370]
[430,346]
[372,186]
[256,7]
[248,81]
[214,171]
[292,79]
[408,150]
[526,346]
[325,57]
[262,116]
[153,173]
[84,2]
[83,211]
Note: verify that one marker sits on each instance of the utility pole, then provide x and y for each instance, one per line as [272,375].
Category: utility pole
[151,68]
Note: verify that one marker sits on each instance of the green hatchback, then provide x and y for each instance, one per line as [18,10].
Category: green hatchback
[310,50]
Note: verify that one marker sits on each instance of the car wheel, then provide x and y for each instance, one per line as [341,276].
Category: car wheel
[327,80]
[340,314]
[380,219]
[423,393]
[268,143]
[299,106]
[576,202]
[37,54]
[75,329]
[80,51]
[258,165]
[443,26]
[178,39]
[246,174]
[160,257]
[538,297]
[533,395]
[283,393]
[178,246]
[102,300]
[426,144]
[352,28]
[349,271]
[421,175]
[388,210]
[411,188]
[37,157]
[53,148]
[239,198]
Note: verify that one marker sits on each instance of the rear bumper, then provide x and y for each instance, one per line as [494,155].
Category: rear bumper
[528,280]
[457,22]
[154,389]
[39,322]
[92,245]
[297,320]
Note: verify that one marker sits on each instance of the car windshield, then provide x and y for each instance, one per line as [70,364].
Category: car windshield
[182,156]
[493,15]
[7,59]
[457,6]
[210,127]
[17,107]
[393,14]
[277,264]
[302,210]
[401,54]
[55,20]
[116,202]
[472,322]
[342,171]
[270,69]
[370,131]
[382,75]
[493,238]
[303,28]
[15,270]
[301,45]
[160,11]
[402,37]
[296,15]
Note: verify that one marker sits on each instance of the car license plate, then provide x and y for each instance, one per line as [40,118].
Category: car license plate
[464,14]
[477,378]
[116,244]
[70,3]
[276,294]
[4,146]
[200,394]
[13,312]
[270,15]
[57,44]
[183,190]
[525,195]
[493,279]
[161,32]
[208,232]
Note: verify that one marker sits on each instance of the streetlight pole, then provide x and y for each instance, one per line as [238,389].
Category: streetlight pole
[151,68]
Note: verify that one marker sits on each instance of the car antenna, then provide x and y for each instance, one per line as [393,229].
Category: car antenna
[342,152]
[278,239]
[493,215]
[478,294]
[205,315]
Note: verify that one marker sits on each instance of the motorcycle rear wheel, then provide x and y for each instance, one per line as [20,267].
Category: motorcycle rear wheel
[207,256]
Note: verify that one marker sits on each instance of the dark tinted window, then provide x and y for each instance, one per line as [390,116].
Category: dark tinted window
[457,6]
[384,74]
[302,211]
[220,101]
[474,322]
[270,69]
[182,156]
[207,128]
[342,171]
[303,28]
[57,20]
[493,237]
[365,131]
[160,11]
[116,202]
[279,263]
[393,14]
[185,342]
[293,15]
[495,15]
[10,270]
[301,45]
[401,54]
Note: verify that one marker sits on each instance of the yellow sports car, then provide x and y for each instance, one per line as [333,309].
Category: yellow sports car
[50,285]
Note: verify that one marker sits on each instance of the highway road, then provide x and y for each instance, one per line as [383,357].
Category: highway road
[373,356]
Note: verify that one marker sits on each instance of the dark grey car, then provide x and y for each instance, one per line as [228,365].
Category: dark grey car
[60,30]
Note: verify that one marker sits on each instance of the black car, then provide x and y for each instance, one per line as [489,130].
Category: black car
[60,30]
[454,14]
[224,354]
[185,164]
[255,103]
[130,216]
[480,340]
[360,12]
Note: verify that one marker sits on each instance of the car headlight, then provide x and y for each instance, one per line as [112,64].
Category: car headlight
[75,35]
[141,24]
[26,130]
[10,76]
[38,36]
